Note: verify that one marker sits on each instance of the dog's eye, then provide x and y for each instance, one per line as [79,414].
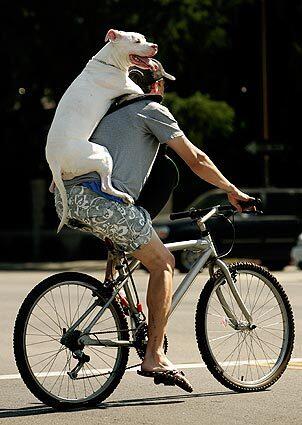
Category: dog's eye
[137,41]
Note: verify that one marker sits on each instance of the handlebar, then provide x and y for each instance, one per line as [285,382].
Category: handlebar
[256,202]
[198,213]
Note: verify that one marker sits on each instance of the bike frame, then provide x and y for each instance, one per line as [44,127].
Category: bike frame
[208,254]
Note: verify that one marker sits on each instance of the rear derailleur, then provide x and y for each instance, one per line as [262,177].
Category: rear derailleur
[71,341]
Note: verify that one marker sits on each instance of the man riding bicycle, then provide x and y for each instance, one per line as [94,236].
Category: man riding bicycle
[132,134]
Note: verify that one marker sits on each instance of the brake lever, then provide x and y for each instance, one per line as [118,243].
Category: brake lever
[234,211]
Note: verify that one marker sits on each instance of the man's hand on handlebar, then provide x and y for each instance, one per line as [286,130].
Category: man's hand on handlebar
[238,198]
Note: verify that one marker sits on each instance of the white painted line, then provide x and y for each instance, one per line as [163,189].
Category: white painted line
[263,362]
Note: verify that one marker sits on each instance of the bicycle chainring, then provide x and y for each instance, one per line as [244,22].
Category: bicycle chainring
[141,339]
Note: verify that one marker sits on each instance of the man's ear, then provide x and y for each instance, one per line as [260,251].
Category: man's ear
[112,35]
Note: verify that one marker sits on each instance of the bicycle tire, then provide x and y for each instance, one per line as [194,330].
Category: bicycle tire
[216,369]
[20,347]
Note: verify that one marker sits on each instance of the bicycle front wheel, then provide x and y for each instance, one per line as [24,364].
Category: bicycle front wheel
[241,358]
[45,363]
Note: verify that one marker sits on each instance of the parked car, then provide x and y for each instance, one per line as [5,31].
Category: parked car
[296,253]
[268,237]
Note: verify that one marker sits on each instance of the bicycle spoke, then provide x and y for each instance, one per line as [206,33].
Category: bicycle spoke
[46,314]
[43,333]
[107,364]
[90,302]
[62,372]
[63,304]
[52,362]
[266,312]
[55,309]
[254,299]
[88,379]
[221,344]
[102,352]
[266,301]
[78,308]
[41,354]
[45,359]
[268,343]
[93,375]
[238,359]
[264,353]
[67,362]
[271,333]
[84,384]
[235,348]
[269,318]
[42,342]
[252,351]
[69,305]
[221,337]
[46,324]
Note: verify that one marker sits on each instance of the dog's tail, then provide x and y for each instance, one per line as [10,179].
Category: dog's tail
[57,177]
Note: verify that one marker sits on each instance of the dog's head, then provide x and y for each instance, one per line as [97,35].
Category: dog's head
[134,47]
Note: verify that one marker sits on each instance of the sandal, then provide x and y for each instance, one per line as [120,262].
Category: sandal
[168,377]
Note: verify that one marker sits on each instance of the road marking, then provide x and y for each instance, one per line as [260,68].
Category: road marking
[295,363]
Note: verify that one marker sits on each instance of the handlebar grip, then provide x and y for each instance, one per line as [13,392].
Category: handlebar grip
[181,214]
[253,203]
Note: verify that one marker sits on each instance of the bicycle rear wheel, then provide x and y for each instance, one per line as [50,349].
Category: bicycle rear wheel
[44,362]
[244,359]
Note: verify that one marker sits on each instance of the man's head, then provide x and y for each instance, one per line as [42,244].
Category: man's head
[132,47]
[151,80]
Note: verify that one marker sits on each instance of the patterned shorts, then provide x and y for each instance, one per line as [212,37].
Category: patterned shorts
[128,226]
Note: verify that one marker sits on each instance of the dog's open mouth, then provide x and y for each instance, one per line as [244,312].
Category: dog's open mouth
[143,62]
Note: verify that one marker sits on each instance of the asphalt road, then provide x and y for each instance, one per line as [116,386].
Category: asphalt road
[137,399]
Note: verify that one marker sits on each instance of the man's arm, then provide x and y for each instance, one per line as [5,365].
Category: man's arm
[201,165]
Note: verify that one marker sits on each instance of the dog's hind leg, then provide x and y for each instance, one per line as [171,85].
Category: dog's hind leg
[108,188]
[94,157]
[104,168]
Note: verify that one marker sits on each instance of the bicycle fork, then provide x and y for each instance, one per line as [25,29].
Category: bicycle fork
[232,285]
[228,311]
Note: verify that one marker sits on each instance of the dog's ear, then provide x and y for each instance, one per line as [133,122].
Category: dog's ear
[112,35]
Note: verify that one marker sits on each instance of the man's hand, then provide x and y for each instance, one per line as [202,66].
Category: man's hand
[236,195]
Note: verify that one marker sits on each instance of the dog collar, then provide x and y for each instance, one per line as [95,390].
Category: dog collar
[105,63]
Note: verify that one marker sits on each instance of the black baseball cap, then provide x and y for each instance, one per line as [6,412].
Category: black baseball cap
[144,78]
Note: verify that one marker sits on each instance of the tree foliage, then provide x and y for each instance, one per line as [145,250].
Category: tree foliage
[202,119]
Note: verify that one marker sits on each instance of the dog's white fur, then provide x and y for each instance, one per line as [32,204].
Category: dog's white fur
[68,150]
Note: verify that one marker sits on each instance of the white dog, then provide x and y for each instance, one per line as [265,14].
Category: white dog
[68,150]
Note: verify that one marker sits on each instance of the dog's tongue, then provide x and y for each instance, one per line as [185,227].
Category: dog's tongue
[142,61]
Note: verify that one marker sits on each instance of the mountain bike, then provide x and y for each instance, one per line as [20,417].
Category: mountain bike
[73,332]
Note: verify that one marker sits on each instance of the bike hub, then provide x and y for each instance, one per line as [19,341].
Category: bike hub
[71,340]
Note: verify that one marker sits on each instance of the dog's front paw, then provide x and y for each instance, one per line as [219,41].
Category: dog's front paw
[128,199]
[52,187]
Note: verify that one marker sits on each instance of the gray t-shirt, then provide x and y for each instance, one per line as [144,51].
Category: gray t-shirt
[132,135]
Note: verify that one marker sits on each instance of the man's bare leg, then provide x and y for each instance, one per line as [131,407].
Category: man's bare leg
[160,263]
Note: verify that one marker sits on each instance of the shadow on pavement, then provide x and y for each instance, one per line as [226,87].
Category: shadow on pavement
[42,409]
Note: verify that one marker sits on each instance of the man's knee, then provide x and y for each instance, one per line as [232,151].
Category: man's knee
[161,262]
[155,256]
